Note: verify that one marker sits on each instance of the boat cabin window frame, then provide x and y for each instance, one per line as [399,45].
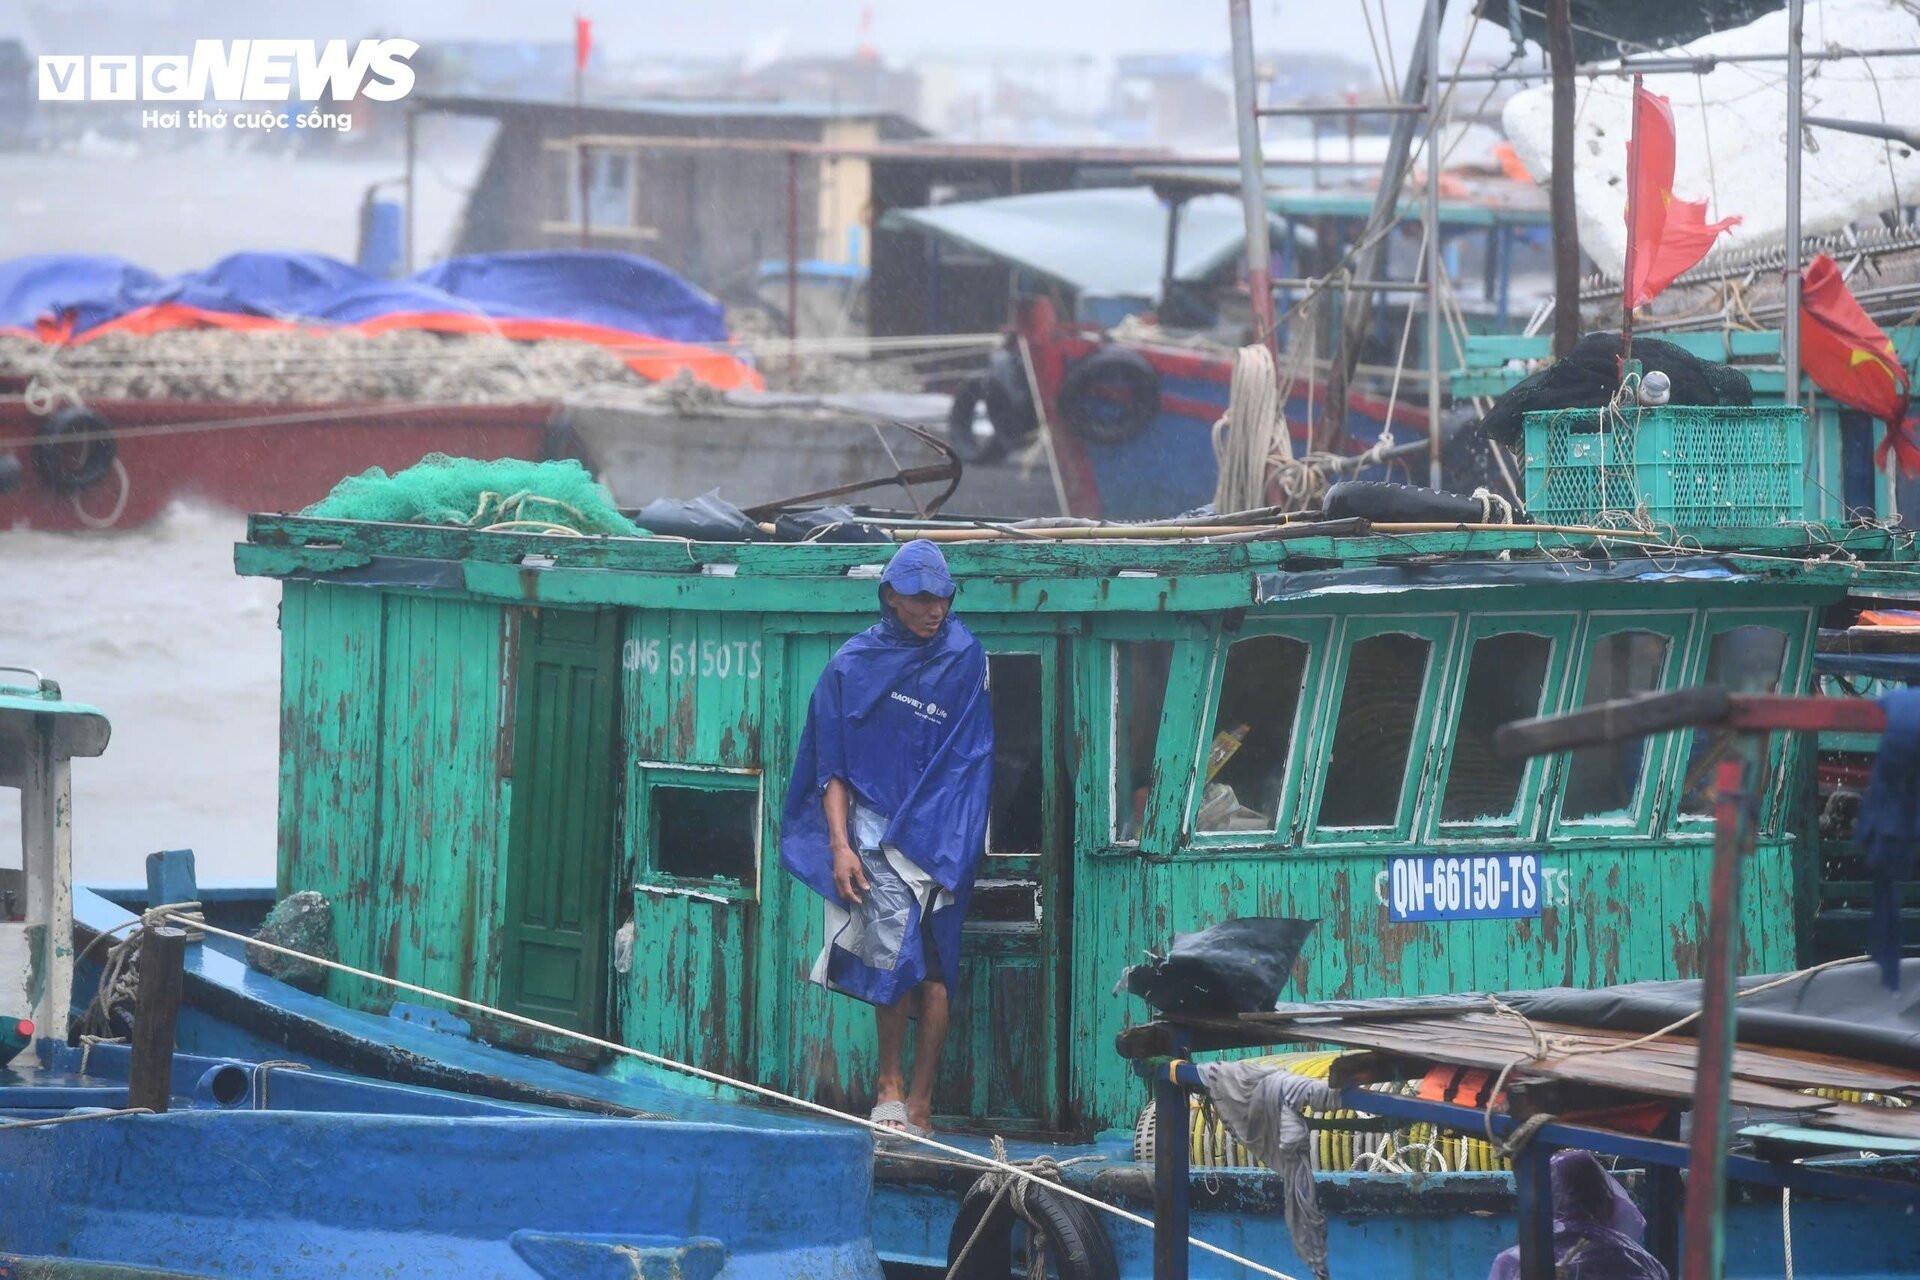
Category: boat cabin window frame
[1189,668]
[1640,820]
[1795,624]
[649,776]
[1284,836]
[1560,629]
[1440,630]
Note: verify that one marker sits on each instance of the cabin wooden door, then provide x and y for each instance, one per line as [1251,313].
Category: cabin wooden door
[1003,1063]
[560,843]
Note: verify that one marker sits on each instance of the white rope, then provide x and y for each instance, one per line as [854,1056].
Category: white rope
[1494,507]
[76,1116]
[1786,1227]
[112,517]
[1252,431]
[715,1077]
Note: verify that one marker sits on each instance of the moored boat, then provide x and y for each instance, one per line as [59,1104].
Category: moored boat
[1358,672]
[115,1162]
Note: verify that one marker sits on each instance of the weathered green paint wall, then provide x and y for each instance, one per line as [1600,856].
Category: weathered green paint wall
[392,802]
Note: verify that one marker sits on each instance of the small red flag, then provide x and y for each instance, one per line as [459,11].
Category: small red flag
[582,42]
[1851,358]
[1668,235]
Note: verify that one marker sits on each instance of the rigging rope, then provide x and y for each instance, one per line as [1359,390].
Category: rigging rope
[1005,1168]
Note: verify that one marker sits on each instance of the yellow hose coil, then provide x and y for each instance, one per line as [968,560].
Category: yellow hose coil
[1415,1148]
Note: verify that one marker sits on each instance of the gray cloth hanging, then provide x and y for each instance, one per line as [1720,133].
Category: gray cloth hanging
[1260,1104]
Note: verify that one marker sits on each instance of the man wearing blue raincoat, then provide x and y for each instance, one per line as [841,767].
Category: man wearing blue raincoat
[886,816]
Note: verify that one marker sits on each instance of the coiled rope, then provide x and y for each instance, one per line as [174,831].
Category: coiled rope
[1253,444]
[1029,1176]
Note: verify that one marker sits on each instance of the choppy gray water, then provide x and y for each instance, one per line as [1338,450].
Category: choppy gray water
[153,627]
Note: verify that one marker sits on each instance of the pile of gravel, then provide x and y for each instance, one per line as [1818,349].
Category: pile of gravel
[315,367]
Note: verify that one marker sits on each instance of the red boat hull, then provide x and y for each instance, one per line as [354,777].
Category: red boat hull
[252,457]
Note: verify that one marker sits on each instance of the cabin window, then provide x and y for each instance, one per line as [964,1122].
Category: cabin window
[1245,768]
[1014,823]
[1750,659]
[1605,779]
[1379,708]
[1506,681]
[1140,670]
[704,835]
[700,825]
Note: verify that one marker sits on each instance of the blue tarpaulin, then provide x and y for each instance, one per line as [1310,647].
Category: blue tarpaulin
[618,291]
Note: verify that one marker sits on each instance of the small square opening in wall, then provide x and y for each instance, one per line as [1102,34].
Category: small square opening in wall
[702,833]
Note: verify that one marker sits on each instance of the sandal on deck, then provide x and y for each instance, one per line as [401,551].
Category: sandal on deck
[892,1115]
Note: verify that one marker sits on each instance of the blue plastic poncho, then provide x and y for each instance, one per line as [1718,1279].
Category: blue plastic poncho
[907,724]
[1888,826]
[1596,1228]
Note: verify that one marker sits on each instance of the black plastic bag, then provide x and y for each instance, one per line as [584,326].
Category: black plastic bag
[708,518]
[1237,966]
[826,524]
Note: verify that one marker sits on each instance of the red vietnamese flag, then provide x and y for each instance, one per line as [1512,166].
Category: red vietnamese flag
[1851,358]
[582,42]
[1668,235]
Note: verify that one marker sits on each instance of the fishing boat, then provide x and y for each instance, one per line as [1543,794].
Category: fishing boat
[259,381]
[588,861]
[139,1161]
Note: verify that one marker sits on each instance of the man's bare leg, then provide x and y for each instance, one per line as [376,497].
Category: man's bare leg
[926,1051]
[892,1084]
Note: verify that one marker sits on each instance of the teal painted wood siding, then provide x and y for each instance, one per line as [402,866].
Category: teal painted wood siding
[398,737]
[394,805]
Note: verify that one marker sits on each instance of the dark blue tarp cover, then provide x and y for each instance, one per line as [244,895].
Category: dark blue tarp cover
[619,291]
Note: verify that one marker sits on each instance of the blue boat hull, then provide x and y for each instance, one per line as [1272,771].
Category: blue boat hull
[341,1177]
[1443,1227]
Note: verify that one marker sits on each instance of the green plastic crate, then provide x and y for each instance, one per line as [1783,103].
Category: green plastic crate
[1678,465]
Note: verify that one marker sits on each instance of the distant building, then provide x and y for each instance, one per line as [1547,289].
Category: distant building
[852,83]
[699,185]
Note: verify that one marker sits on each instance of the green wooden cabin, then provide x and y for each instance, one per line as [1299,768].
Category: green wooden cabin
[545,773]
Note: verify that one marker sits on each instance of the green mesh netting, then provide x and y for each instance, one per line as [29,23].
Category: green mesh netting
[507,494]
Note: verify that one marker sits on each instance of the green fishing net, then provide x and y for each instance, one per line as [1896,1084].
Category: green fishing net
[507,494]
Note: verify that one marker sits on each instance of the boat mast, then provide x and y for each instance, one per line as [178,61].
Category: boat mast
[1566,227]
[1430,229]
[1356,311]
[1790,326]
[1253,176]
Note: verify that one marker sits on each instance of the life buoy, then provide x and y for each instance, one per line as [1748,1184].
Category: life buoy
[971,446]
[980,1246]
[1111,397]
[75,449]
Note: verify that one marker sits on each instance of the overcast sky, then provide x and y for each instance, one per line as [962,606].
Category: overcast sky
[900,28]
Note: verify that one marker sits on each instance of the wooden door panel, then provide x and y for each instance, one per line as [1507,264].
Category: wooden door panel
[560,850]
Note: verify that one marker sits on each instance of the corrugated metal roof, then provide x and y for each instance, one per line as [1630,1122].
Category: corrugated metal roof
[1109,242]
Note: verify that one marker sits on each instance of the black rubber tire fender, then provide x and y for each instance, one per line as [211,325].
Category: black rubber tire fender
[1009,399]
[53,457]
[970,447]
[1112,372]
[1389,503]
[1077,1244]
